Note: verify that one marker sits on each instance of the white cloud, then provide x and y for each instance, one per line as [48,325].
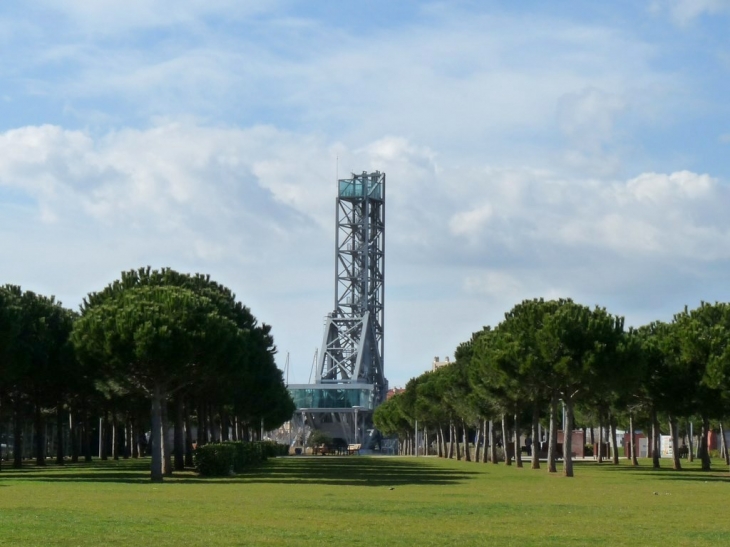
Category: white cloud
[685,11]
[467,222]
[112,16]
[255,207]
[170,178]
[521,156]
[657,187]
[677,214]
[495,283]
[587,118]
[588,115]
[446,83]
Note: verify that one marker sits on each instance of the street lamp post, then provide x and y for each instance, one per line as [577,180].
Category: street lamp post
[357,433]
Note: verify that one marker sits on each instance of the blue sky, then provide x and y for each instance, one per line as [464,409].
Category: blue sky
[531,149]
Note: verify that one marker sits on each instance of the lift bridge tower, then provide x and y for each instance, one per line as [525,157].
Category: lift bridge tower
[352,349]
[349,376]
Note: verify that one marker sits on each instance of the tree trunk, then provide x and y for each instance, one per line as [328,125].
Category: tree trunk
[200,438]
[568,439]
[724,445]
[704,445]
[115,436]
[214,429]
[59,435]
[477,441]
[492,443]
[156,435]
[553,441]
[179,434]
[441,441]
[17,438]
[535,456]
[654,440]
[450,453]
[128,438]
[224,425]
[166,443]
[614,443]
[485,436]
[134,438]
[599,457]
[467,451]
[73,433]
[456,441]
[632,441]
[691,442]
[676,465]
[49,438]
[29,447]
[40,437]
[87,435]
[505,439]
[188,439]
[102,437]
[518,447]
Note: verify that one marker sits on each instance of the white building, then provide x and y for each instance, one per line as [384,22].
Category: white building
[438,364]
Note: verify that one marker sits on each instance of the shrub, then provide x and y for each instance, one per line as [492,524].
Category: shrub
[222,459]
[216,459]
[273,449]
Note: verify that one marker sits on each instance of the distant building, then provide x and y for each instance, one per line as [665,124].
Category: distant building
[394,391]
[438,364]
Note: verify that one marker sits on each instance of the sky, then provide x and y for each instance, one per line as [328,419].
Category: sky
[564,149]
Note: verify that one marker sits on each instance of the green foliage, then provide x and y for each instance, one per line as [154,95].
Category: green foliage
[394,416]
[151,335]
[319,437]
[158,333]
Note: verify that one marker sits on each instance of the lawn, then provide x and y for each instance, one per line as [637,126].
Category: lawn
[365,501]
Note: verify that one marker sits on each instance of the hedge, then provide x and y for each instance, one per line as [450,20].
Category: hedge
[222,459]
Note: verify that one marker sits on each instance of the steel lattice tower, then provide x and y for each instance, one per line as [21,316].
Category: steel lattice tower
[352,349]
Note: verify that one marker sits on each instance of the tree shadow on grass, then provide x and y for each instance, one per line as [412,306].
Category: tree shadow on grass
[351,471]
[129,471]
[356,471]
[669,474]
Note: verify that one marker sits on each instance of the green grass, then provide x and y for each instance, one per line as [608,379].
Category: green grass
[361,501]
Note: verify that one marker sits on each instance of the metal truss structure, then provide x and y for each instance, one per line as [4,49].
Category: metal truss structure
[352,349]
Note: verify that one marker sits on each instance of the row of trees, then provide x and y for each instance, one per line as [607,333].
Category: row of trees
[546,355]
[156,350]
